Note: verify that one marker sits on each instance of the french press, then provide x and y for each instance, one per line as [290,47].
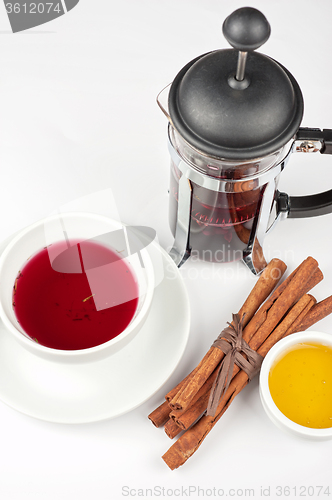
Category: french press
[234,118]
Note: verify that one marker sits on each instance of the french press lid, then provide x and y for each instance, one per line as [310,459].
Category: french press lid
[237,104]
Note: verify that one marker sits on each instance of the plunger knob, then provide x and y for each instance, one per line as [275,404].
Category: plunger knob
[245,29]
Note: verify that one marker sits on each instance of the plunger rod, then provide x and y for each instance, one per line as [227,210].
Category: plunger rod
[241,65]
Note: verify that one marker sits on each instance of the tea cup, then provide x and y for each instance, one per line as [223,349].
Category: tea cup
[74,226]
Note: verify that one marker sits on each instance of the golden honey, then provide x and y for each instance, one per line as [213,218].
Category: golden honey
[300,383]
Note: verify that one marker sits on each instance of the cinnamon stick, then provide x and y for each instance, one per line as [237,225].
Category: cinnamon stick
[318,312]
[171,429]
[304,304]
[170,395]
[160,415]
[262,289]
[314,280]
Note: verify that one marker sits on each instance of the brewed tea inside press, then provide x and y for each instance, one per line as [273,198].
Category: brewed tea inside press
[234,118]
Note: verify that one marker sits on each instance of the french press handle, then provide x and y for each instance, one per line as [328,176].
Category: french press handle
[308,140]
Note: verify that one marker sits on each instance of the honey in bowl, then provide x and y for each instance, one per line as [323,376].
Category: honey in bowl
[88,304]
[300,383]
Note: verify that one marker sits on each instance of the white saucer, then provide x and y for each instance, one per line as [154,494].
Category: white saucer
[94,391]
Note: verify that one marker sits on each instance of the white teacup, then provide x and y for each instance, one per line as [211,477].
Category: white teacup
[74,226]
[271,409]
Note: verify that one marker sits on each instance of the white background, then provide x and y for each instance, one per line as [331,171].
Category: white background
[77,115]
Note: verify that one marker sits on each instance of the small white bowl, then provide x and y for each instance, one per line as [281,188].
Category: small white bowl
[81,226]
[273,412]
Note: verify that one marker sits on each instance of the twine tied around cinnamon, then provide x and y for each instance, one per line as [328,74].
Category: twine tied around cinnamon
[230,341]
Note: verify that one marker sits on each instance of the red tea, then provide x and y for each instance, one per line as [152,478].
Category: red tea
[79,309]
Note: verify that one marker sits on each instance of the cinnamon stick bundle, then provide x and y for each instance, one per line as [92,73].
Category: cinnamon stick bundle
[268,319]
